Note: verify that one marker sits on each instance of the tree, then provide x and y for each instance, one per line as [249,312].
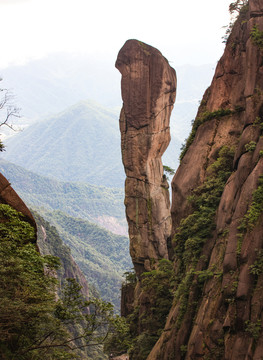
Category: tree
[33,323]
[168,171]
[237,6]
[8,111]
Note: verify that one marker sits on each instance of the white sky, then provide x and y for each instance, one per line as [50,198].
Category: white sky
[185,31]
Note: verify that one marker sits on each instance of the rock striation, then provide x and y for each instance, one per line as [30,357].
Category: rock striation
[148,91]
[218,305]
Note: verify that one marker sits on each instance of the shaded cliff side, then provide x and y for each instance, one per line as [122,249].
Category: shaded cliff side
[217,212]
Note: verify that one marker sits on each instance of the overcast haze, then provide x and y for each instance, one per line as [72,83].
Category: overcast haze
[186,32]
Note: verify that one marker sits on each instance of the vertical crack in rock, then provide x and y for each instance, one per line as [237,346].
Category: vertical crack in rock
[148,91]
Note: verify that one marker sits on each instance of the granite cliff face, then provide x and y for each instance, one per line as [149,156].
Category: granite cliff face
[148,91]
[219,313]
[217,211]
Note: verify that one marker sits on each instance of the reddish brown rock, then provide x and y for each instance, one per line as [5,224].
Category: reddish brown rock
[226,322]
[148,90]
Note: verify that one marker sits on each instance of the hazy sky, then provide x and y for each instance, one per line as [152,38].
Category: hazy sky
[185,31]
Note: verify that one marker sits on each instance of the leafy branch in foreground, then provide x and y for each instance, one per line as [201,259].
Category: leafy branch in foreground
[33,323]
[168,170]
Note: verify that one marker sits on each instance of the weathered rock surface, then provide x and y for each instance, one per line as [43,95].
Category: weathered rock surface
[148,90]
[223,318]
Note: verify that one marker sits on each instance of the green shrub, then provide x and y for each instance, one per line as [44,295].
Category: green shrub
[251,217]
[157,285]
[239,8]
[257,37]
[142,346]
[255,210]
[250,146]
[195,229]
[253,328]
[130,277]
[257,267]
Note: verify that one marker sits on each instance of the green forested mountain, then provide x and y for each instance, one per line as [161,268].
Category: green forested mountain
[80,144]
[90,202]
[51,84]
[102,256]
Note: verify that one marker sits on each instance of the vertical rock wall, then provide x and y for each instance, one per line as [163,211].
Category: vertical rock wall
[148,90]
[219,312]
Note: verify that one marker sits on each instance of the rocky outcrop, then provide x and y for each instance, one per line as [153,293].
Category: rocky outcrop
[9,196]
[217,312]
[148,91]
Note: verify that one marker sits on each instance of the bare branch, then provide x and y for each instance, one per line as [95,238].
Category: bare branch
[9,109]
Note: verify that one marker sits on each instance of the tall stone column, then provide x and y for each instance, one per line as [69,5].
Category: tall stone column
[148,91]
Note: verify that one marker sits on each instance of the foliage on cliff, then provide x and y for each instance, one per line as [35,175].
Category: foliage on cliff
[33,323]
[27,293]
[217,308]
[196,228]
[193,234]
[181,286]
[148,318]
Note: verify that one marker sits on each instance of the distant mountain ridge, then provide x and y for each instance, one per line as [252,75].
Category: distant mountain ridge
[46,87]
[49,85]
[81,144]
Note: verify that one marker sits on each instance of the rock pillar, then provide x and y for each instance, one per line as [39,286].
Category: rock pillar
[148,91]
